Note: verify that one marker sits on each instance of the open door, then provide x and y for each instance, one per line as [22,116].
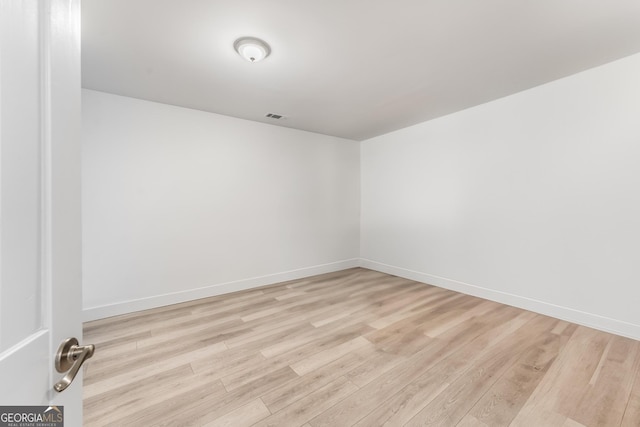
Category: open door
[40,240]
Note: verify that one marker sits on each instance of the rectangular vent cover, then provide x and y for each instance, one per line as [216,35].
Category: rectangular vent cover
[274,116]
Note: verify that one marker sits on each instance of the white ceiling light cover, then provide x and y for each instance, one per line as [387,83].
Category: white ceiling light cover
[252,49]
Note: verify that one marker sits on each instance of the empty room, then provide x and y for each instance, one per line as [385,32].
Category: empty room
[337,213]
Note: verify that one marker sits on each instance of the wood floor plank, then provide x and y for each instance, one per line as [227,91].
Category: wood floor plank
[327,341]
[358,405]
[606,398]
[377,364]
[142,358]
[426,402]
[192,337]
[94,386]
[500,405]
[109,343]
[245,415]
[294,390]
[311,405]
[356,347]
[298,334]
[126,400]
[471,421]
[376,392]
[206,408]
[402,406]
[572,423]
[226,363]
[325,320]
[464,341]
[288,342]
[175,409]
[400,340]
[460,317]
[328,355]
[632,411]
[567,380]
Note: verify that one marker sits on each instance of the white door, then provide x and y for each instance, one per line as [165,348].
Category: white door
[40,241]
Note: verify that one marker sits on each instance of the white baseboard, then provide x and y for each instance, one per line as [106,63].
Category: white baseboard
[595,321]
[125,307]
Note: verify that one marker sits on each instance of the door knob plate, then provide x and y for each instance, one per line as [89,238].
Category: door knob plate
[63,364]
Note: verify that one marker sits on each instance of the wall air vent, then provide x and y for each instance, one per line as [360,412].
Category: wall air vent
[274,116]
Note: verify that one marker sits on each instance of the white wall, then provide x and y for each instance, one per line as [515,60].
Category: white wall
[532,200]
[180,204]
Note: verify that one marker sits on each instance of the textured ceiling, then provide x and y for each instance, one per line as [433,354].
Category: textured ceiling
[349,68]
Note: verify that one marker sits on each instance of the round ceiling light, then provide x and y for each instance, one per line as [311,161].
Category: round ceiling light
[252,49]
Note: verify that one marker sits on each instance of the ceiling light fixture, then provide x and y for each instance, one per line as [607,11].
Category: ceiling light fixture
[252,49]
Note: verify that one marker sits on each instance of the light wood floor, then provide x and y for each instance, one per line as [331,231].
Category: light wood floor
[356,348]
